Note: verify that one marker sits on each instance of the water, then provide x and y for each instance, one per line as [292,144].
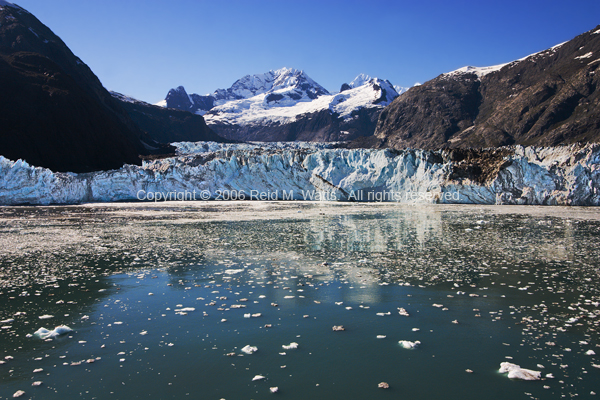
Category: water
[482,285]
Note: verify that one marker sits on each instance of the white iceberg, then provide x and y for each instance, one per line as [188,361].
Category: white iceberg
[516,372]
[407,344]
[292,345]
[249,349]
[44,333]
[258,378]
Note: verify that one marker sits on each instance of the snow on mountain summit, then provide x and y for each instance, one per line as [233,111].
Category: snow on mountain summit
[284,104]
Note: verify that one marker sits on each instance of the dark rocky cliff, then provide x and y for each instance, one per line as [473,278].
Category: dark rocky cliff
[54,112]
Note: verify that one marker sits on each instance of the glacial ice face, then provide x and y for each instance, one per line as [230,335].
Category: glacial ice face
[567,175]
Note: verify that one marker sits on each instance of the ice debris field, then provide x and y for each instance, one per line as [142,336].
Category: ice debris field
[330,302]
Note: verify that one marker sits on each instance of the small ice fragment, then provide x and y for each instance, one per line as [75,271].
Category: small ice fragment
[143,333]
[415,329]
[455,321]
[382,314]
[402,312]
[549,376]
[170,344]
[407,344]
[540,366]
[37,370]
[274,389]
[381,336]
[18,393]
[46,316]
[516,372]
[383,385]
[247,315]
[256,315]
[470,371]
[292,345]
[590,353]
[258,378]
[7,321]
[338,328]
[223,320]
[37,383]
[249,349]
[118,323]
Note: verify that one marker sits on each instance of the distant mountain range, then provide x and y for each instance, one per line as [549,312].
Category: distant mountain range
[286,105]
[548,98]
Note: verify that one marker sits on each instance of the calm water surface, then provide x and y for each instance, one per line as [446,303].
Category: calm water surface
[481,287]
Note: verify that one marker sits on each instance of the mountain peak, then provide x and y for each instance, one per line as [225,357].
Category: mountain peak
[360,80]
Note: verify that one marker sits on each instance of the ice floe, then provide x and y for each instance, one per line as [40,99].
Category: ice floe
[249,349]
[516,372]
[407,344]
[44,333]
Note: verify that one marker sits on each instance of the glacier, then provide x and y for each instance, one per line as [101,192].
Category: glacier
[566,175]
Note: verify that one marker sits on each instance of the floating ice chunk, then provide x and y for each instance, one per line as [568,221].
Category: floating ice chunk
[402,312]
[516,372]
[292,345]
[44,333]
[143,333]
[185,309]
[381,336]
[288,297]
[382,314]
[540,366]
[416,329]
[256,315]
[37,383]
[338,328]
[7,321]
[549,376]
[46,316]
[407,344]
[18,393]
[274,389]
[258,378]
[572,320]
[249,349]
[247,315]
[38,370]
[232,271]
[590,353]
[383,385]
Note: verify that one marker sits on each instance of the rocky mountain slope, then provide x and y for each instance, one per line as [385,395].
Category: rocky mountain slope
[54,112]
[549,98]
[287,105]
[166,125]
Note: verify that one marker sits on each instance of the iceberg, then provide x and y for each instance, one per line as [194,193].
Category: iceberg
[516,372]
[44,333]
[407,344]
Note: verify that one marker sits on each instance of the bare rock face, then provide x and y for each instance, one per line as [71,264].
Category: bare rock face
[546,99]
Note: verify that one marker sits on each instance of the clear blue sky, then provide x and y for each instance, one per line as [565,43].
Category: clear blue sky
[144,48]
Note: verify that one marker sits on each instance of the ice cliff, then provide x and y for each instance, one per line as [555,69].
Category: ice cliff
[568,175]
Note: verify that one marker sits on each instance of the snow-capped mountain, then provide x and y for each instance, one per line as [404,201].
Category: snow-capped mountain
[286,104]
[282,84]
